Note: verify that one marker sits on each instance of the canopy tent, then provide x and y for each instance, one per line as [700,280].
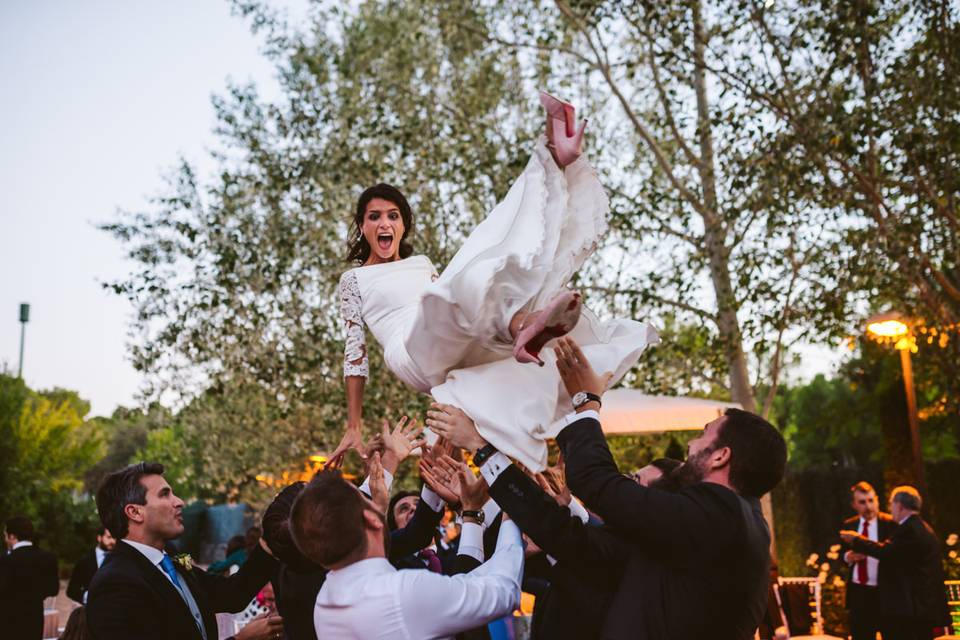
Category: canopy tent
[628,411]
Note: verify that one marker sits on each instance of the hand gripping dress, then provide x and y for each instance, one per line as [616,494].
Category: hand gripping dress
[448,335]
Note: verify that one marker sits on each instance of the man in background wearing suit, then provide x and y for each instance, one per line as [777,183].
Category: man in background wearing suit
[88,564]
[141,592]
[863,600]
[27,576]
[910,574]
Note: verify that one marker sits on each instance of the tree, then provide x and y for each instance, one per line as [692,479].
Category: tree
[47,447]
[865,108]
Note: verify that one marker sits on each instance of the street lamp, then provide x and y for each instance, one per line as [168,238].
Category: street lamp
[24,318]
[891,327]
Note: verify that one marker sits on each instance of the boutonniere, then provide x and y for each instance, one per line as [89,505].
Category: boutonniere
[184,560]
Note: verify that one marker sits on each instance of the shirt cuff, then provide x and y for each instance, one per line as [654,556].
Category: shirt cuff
[493,466]
[471,541]
[387,480]
[490,512]
[577,510]
[433,501]
[570,418]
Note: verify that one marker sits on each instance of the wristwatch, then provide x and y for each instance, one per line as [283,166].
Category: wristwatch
[477,515]
[483,453]
[581,398]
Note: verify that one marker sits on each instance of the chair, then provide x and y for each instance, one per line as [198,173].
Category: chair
[802,605]
[953,602]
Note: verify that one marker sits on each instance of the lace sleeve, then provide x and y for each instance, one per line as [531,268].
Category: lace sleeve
[355,353]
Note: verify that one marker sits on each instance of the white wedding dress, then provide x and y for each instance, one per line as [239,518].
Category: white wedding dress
[448,335]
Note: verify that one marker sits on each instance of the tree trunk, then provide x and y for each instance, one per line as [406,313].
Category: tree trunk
[728,325]
[715,232]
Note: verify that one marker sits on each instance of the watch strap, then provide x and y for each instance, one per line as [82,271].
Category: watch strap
[591,397]
[483,453]
[469,513]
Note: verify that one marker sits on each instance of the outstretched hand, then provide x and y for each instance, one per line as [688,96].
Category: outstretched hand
[429,462]
[352,439]
[454,425]
[399,443]
[575,369]
[456,477]
[553,481]
[378,484]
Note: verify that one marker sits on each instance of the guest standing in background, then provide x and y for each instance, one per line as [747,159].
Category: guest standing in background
[910,573]
[88,564]
[863,600]
[27,576]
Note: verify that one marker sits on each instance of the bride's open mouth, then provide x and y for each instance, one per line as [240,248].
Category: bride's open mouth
[385,241]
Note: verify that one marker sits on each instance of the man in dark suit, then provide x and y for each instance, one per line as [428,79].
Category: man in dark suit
[141,592]
[695,563]
[863,601]
[910,580]
[27,576]
[700,561]
[88,564]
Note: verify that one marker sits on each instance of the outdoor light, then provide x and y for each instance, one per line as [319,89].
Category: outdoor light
[888,328]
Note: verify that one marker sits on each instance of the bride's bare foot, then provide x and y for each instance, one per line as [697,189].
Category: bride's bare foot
[533,330]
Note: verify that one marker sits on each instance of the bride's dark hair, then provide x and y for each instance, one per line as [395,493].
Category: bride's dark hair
[358,249]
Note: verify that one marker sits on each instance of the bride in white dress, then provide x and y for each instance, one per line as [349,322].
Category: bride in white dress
[463,336]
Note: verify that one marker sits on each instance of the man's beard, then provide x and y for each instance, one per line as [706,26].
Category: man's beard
[693,470]
[102,547]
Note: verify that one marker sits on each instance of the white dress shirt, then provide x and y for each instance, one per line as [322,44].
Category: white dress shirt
[371,599]
[154,555]
[101,555]
[22,543]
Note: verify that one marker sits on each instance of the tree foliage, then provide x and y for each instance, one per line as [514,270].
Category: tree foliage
[48,445]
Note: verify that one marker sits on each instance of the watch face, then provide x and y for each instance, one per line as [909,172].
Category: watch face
[579,398]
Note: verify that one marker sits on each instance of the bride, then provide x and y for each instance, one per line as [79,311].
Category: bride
[468,335]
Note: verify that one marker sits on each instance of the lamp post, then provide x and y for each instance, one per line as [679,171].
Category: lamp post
[24,318]
[891,327]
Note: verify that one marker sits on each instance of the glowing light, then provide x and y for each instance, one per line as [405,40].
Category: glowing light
[888,329]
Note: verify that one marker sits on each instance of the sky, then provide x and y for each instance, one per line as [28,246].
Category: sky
[100,99]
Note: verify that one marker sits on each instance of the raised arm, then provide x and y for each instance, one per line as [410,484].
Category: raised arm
[231,594]
[442,606]
[356,368]
[555,530]
[902,544]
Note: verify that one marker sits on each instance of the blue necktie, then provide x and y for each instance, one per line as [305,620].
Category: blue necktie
[167,565]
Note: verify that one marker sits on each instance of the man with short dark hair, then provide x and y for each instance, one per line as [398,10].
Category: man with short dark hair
[364,596]
[700,557]
[141,592]
[27,576]
[87,565]
[863,600]
[910,583]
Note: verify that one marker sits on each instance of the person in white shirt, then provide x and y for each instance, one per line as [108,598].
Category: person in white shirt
[862,599]
[364,596]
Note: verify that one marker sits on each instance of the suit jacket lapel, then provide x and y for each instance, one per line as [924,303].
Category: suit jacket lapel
[154,576]
[190,579]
